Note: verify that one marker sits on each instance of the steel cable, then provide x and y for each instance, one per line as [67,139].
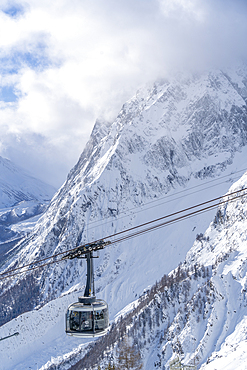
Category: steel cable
[133,234]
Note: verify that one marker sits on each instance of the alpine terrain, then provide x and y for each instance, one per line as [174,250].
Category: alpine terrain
[22,198]
[176,290]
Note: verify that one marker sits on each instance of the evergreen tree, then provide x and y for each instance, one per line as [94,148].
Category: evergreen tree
[128,357]
[110,367]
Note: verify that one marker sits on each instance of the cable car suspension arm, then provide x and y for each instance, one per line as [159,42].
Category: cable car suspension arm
[87,248]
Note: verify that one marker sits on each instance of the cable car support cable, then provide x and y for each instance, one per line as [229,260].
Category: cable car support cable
[100,244]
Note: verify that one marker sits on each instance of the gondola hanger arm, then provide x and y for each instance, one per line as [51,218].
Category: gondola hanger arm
[87,248]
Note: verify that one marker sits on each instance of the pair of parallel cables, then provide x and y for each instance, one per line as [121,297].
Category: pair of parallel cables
[127,234]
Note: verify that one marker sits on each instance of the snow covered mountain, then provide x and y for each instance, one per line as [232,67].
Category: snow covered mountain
[17,186]
[175,144]
[22,197]
[198,312]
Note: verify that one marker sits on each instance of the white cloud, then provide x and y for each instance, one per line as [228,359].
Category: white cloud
[70,61]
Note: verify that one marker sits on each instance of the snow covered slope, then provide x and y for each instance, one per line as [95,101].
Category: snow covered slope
[169,148]
[16,186]
[22,197]
[225,249]
[198,312]
[205,321]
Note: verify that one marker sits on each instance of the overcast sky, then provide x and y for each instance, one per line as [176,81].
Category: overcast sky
[63,63]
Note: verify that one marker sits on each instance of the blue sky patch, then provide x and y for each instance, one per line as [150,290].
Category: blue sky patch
[37,59]
[7,94]
[14,11]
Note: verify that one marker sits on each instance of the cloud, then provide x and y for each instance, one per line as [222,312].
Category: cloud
[63,64]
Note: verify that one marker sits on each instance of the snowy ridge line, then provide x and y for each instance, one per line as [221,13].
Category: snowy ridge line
[155,227]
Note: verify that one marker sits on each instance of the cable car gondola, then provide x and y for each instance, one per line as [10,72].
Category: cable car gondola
[88,317]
